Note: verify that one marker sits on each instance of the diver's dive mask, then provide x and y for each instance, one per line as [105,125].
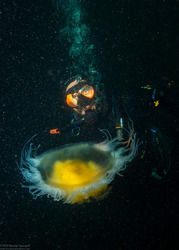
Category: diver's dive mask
[79,93]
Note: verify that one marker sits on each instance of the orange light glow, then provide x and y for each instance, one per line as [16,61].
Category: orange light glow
[72,102]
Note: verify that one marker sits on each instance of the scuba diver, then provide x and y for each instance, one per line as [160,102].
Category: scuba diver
[85,99]
[92,109]
[88,105]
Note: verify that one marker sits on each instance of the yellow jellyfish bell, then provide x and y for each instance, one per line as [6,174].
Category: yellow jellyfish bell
[78,172]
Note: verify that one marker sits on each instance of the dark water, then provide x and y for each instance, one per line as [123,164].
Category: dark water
[136,42]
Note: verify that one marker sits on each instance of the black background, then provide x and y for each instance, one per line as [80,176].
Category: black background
[136,44]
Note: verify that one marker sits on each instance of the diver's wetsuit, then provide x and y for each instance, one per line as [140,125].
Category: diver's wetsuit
[140,105]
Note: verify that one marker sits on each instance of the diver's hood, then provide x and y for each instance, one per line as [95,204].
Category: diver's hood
[75,84]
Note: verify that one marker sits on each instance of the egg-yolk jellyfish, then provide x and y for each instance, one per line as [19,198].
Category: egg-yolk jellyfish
[78,172]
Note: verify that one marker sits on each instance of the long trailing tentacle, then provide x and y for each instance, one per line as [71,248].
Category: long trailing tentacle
[107,134]
[25,153]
